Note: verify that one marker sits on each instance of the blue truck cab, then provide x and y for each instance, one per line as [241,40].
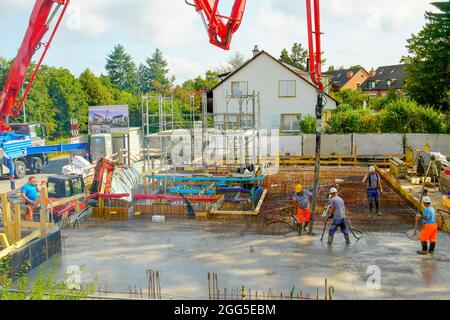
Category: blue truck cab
[15,149]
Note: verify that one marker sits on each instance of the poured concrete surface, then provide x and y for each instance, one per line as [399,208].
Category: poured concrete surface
[119,253]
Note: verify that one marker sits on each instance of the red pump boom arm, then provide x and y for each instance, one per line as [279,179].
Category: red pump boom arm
[220,28]
[43,13]
[314,43]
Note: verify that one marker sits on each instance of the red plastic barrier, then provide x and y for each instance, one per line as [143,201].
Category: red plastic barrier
[172,198]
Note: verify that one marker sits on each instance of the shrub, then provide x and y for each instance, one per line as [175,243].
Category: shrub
[308,124]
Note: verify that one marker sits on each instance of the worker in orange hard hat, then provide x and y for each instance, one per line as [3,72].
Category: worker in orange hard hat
[302,201]
[430,229]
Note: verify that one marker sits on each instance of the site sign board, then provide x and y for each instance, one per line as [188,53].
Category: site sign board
[109,119]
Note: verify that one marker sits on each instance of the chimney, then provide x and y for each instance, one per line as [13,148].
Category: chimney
[255,51]
[349,74]
[372,73]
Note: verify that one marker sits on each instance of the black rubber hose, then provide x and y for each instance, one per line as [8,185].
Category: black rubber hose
[352,230]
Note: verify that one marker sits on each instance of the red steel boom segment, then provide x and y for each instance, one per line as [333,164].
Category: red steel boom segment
[220,28]
[39,24]
[314,44]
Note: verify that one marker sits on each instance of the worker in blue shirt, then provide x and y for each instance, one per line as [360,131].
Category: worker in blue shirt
[430,229]
[374,189]
[30,193]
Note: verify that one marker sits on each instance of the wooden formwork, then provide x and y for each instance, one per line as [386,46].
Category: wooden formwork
[11,240]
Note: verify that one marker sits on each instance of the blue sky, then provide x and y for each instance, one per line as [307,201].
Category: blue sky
[370,33]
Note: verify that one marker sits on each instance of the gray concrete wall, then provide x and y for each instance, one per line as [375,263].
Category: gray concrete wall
[331,144]
[438,142]
[291,145]
[368,144]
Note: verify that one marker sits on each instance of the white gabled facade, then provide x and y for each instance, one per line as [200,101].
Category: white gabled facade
[284,93]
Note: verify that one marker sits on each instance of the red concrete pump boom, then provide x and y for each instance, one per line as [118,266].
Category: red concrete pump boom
[43,13]
[220,28]
[314,43]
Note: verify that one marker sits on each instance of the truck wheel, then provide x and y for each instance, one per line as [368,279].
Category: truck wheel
[37,166]
[20,169]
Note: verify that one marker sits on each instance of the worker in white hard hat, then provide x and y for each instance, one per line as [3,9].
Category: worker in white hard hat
[429,229]
[337,214]
[302,199]
[374,190]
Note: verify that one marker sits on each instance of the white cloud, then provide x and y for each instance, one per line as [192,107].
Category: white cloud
[184,69]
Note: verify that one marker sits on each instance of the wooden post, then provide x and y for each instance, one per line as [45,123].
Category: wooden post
[77,206]
[17,230]
[43,213]
[7,218]
[355,155]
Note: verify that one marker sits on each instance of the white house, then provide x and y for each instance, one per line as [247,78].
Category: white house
[286,95]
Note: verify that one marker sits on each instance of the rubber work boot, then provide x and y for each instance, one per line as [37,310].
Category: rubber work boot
[424,250]
[432,247]
[306,226]
[330,240]
[347,239]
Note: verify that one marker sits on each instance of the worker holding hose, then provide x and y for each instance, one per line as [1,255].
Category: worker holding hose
[374,190]
[302,199]
[336,211]
[429,229]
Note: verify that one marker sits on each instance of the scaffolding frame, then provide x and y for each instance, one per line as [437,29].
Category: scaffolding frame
[206,128]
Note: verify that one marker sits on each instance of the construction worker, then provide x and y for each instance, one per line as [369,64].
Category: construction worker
[336,211]
[374,190]
[30,193]
[302,199]
[429,229]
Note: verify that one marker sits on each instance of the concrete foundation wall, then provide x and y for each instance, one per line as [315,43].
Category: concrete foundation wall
[438,142]
[291,145]
[367,144]
[331,144]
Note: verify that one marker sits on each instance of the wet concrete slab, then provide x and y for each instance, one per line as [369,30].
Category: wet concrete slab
[119,253]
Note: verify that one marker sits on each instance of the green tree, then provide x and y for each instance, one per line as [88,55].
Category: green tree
[144,81]
[428,59]
[299,56]
[68,96]
[155,69]
[210,80]
[308,124]
[354,98]
[285,57]
[39,106]
[237,60]
[5,65]
[121,69]
[97,93]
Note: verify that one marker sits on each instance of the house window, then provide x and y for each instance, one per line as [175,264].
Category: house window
[286,88]
[290,123]
[371,84]
[389,83]
[239,88]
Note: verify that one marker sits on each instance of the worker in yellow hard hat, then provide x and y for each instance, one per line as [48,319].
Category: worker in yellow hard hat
[302,201]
